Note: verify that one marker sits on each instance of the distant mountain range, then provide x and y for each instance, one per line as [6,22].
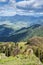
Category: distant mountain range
[8,33]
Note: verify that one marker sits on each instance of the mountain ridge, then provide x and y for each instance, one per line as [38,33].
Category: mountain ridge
[23,34]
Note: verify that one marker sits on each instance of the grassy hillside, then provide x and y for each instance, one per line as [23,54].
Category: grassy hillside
[37,45]
[21,60]
[27,33]
[21,53]
[34,32]
[22,34]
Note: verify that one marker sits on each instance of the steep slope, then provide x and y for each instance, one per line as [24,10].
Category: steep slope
[5,30]
[36,40]
[26,33]
[20,54]
[35,32]
[36,44]
[10,34]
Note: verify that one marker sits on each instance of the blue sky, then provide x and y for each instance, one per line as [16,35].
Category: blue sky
[22,12]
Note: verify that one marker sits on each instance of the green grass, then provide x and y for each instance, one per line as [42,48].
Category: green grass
[21,60]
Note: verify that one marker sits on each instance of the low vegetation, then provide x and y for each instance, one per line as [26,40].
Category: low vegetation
[21,60]
[22,53]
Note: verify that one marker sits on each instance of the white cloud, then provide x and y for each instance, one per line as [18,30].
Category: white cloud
[25,7]
[28,3]
[13,1]
[6,22]
[24,3]
[21,24]
[7,13]
[38,4]
[29,13]
[2,0]
[15,25]
[32,7]
[8,9]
